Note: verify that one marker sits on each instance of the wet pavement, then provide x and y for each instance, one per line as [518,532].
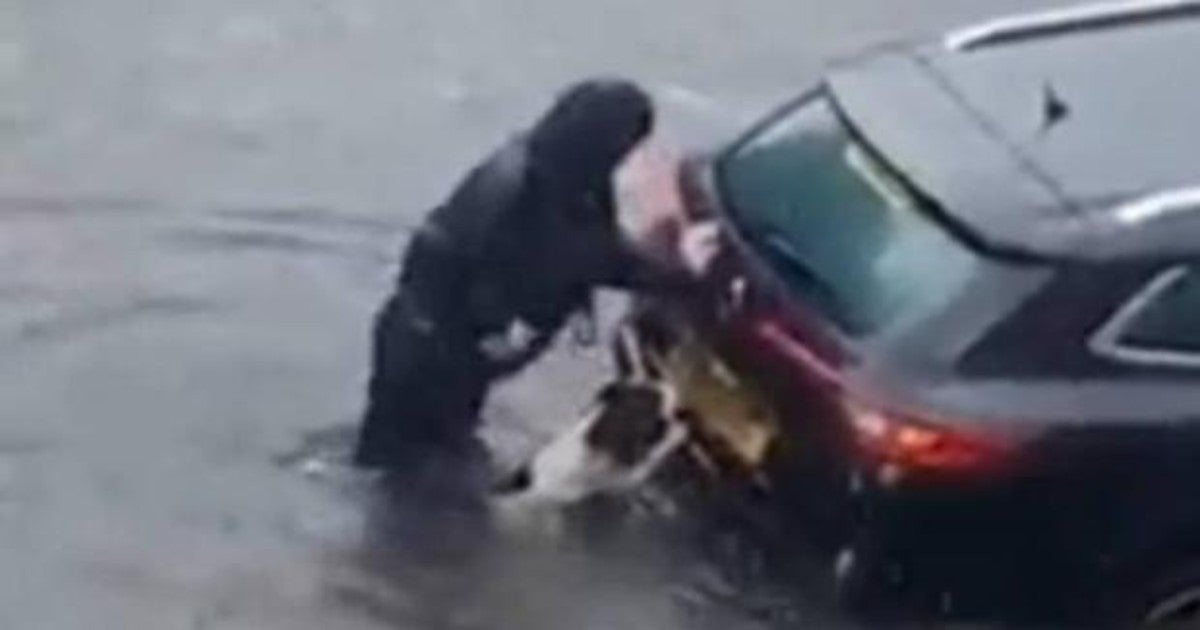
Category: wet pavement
[200,205]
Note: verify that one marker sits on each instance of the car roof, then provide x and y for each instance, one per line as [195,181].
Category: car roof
[1069,134]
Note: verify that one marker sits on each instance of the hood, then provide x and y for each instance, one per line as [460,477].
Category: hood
[588,132]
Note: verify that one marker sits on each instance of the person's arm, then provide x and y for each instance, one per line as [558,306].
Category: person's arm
[617,260]
[630,269]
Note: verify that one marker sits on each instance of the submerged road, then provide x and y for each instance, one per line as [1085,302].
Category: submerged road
[201,204]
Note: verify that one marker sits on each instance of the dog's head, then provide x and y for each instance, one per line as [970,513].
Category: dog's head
[631,419]
[631,428]
[626,426]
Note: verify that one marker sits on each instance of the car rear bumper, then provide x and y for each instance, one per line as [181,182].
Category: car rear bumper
[992,549]
[1006,552]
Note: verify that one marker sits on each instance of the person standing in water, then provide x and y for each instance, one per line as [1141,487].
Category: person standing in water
[497,270]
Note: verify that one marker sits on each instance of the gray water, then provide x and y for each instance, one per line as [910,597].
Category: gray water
[201,204]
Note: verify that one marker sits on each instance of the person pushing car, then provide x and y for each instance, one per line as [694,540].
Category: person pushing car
[497,270]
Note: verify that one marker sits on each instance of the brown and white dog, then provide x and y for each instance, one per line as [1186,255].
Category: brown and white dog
[633,427]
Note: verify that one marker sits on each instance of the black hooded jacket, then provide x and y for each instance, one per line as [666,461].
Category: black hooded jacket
[532,230]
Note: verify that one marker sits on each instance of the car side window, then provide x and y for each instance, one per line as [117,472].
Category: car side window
[1158,326]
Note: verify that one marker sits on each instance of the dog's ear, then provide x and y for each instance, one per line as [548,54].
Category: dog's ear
[625,355]
[635,360]
[609,394]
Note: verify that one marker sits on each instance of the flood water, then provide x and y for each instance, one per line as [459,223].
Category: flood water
[201,204]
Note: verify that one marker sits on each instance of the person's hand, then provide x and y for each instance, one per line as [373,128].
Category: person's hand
[651,206]
[509,344]
[699,245]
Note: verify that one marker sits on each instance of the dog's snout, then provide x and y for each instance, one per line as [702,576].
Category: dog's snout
[519,480]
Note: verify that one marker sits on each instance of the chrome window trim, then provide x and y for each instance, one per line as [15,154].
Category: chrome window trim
[1106,342]
[1064,20]
[1159,205]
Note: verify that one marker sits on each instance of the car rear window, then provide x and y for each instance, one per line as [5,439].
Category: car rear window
[846,234]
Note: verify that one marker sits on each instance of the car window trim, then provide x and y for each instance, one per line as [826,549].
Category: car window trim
[1108,341]
[774,116]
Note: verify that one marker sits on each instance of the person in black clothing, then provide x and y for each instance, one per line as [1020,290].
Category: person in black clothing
[498,269]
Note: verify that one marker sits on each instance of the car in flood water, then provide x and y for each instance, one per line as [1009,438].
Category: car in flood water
[955,325]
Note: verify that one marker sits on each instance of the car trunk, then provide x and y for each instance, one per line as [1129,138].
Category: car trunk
[763,414]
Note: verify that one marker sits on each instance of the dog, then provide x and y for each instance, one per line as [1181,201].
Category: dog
[632,428]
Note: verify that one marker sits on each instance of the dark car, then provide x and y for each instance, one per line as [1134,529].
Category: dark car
[966,278]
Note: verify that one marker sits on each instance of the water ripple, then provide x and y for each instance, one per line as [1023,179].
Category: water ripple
[313,217]
[271,239]
[75,206]
[72,322]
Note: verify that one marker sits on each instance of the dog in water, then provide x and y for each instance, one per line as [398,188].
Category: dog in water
[633,427]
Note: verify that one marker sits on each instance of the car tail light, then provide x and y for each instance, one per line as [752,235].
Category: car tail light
[905,442]
[923,445]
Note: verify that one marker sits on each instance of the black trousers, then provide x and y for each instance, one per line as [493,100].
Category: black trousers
[426,391]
